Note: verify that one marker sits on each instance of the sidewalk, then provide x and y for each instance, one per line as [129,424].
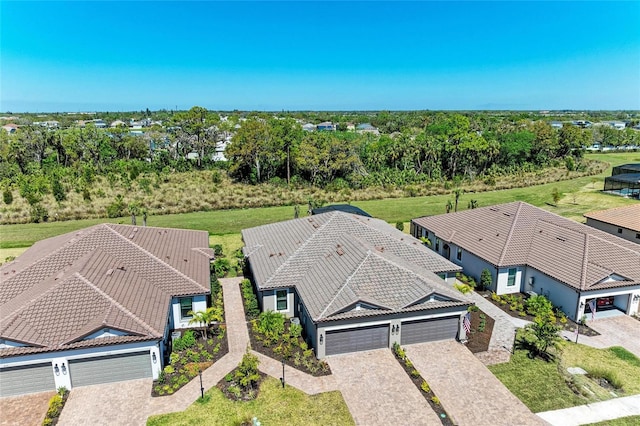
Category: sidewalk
[504,332]
[592,413]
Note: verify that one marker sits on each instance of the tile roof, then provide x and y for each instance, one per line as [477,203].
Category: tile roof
[120,277]
[624,217]
[336,260]
[518,233]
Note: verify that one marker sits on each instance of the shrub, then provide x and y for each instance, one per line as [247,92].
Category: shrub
[271,324]
[425,386]
[400,226]
[486,280]
[247,371]
[169,369]
[463,288]
[39,213]
[221,266]
[187,340]
[7,196]
[217,250]
[435,400]
[58,190]
[495,297]
[610,376]
[414,373]
[538,306]
[250,300]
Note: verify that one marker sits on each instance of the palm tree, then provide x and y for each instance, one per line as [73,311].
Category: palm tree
[472,204]
[206,318]
[457,192]
[449,206]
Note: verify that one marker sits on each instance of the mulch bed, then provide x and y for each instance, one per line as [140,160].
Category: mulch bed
[478,341]
[228,381]
[429,396]
[570,325]
[53,414]
[259,346]
[187,369]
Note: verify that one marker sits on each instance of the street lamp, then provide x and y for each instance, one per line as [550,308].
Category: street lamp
[201,387]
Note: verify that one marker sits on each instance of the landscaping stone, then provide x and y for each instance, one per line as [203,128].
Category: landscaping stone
[576,370]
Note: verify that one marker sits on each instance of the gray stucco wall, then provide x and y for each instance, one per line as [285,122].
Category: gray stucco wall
[626,233]
[268,301]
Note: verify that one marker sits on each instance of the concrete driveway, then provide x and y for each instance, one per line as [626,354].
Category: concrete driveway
[618,331]
[378,391]
[467,390]
[24,410]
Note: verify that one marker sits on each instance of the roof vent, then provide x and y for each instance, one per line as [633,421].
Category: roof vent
[340,251]
[131,236]
[380,249]
[494,209]
[561,239]
[506,214]
[185,259]
[109,272]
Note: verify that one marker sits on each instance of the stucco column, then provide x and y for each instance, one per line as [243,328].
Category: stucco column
[61,374]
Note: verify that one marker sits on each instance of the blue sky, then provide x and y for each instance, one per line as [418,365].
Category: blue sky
[75,55]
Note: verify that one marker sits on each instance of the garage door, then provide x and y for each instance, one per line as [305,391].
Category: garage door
[357,339]
[26,379]
[113,368]
[429,330]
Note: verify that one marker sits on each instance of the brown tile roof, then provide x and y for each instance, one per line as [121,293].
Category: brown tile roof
[335,260]
[624,217]
[520,234]
[107,276]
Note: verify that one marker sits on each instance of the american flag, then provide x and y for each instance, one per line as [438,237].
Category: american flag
[592,305]
[466,322]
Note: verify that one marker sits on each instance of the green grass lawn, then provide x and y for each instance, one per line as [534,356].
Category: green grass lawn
[542,386]
[392,210]
[273,406]
[623,421]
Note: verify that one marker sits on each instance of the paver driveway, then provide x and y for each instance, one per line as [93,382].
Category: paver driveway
[24,410]
[618,331]
[467,390]
[378,391]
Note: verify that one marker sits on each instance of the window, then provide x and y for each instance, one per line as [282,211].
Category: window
[619,230]
[281,300]
[459,254]
[637,236]
[186,306]
[511,280]
[437,244]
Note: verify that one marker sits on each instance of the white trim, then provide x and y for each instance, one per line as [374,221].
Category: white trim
[275,300]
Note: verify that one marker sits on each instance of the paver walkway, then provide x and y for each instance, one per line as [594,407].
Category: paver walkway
[466,388]
[130,402]
[596,412]
[378,391]
[504,331]
[24,410]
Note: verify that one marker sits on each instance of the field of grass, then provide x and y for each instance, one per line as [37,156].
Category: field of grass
[221,222]
[543,386]
[273,406]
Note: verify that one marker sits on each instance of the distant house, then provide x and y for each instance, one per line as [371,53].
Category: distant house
[624,180]
[351,127]
[118,123]
[354,283]
[530,249]
[623,222]
[326,126]
[98,305]
[367,128]
[308,127]
[10,128]
[556,124]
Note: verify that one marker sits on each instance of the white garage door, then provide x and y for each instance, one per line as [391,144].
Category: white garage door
[112,368]
[429,330]
[357,339]
[26,379]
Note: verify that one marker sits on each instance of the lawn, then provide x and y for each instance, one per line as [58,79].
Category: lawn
[223,222]
[541,386]
[623,421]
[273,405]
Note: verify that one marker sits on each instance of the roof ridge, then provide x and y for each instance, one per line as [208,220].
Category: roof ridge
[511,229]
[153,256]
[585,262]
[346,283]
[302,246]
[116,304]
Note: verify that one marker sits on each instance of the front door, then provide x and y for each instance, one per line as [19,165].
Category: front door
[446,251]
